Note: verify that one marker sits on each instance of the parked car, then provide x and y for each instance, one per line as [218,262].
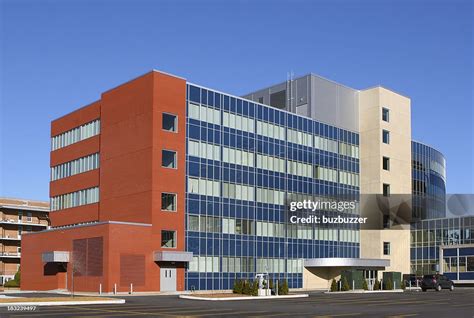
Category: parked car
[436,282]
[412,280]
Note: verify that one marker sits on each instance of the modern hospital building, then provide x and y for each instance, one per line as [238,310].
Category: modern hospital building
[165,185]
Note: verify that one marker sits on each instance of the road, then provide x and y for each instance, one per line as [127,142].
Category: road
[458,303]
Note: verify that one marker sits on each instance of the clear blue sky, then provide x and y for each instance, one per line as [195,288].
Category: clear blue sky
[59,55]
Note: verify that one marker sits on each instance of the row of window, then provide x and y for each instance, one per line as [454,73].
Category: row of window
[238,264]
[273,265]
[204,264]
[270,130]
[203,187]
[463,264]
[301,138]
[203,223]
[266,113]
[300,169]
[75,135]
[241,157]
[238,157]
[326,174]
[73,199]
[238,226]
[270,196]
[243,192]
[204,113]
[204,150]
[73,167]
[348,150]
[238,191]
[210,264]
[270,163]
[234,191]
[349,178]
[238,122]
[211,224]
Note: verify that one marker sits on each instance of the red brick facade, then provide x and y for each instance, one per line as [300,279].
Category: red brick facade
[130,180]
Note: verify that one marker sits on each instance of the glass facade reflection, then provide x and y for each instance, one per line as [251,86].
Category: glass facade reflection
[428,235]
[428,182]
[244,162]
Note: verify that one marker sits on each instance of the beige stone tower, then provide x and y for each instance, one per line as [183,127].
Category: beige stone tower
[385,164]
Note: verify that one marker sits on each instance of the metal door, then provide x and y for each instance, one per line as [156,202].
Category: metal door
[167,279]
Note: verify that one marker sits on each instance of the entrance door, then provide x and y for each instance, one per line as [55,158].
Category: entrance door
[167,279]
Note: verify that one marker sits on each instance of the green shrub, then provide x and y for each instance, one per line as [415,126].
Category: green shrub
[402,285]
[376,284]
[271,284]
[254,291]
[344,284]
[334,285]
[247,288]
[18,276]
[11,283]
[364,285]
[283,287]
[388,284]
[15,282]
[237,287]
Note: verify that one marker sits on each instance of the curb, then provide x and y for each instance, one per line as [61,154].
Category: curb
[243,298]
[64,303]
[365,291]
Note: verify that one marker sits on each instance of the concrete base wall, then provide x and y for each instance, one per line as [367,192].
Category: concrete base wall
[320,278]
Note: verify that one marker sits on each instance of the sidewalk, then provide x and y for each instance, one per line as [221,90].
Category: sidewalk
[6,301]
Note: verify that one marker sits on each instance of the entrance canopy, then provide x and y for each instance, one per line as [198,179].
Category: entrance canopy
[347,262]
[173,256]
[55,257]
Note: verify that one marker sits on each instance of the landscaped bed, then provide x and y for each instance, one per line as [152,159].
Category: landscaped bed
[221,295]
[233,296]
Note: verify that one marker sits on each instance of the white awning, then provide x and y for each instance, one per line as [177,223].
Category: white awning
[173,256]
[55,257]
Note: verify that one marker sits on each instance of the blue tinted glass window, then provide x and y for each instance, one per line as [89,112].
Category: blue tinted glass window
[195,94]
[204,96]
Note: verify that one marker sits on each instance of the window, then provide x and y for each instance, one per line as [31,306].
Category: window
[386,163]
[385,136]
[170,122]
[385,114]
[278,99]
[168,201]
[470,263]
[78,198]
[29,217]
[75,135]
[168,159]
[168,239]
[74,167]
[386,190]
[260,100]
[386,248]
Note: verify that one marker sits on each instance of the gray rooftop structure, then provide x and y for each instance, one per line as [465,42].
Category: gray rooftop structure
[315,97]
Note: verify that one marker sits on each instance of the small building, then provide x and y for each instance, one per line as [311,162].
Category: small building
[17,217]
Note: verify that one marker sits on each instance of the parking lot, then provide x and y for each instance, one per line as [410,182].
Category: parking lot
[458,303]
